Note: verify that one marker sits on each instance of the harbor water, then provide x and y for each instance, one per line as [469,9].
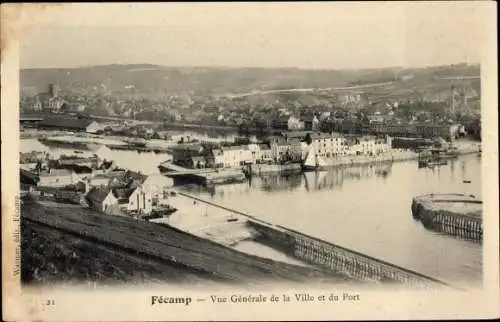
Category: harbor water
[368,209]
[365,208]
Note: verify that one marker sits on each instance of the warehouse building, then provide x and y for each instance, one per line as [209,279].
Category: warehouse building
[67,124]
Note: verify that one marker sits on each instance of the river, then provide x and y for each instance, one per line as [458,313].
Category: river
[363,208]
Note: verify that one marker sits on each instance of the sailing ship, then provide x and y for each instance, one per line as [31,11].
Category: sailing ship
[313,162]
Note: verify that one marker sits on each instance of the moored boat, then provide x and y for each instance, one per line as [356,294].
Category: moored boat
[314,162]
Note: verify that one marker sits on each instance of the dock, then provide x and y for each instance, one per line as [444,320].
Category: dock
[453,214]
[204,176]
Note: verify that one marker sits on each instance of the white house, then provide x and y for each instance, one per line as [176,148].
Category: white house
[369,145]
[140,200]
[134,199]
[57,178]
[229,157]
[265,152]
[251,153]
[328,145]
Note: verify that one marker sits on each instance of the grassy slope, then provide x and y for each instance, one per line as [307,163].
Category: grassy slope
[108,248]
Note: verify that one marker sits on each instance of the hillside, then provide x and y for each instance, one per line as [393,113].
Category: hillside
[160,80]
[63,243]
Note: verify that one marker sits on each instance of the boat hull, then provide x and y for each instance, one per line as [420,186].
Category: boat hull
[308,168]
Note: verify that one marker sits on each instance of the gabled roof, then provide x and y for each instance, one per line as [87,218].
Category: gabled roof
[123,193]
[98,194]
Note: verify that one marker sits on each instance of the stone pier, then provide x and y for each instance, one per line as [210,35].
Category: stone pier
[454,214]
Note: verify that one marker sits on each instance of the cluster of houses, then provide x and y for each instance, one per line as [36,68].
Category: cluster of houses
[285,148]
[446,130]
[95,183]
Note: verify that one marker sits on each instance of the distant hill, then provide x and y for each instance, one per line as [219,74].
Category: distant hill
[157,80]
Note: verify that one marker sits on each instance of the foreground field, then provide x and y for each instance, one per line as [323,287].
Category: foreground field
[61,244]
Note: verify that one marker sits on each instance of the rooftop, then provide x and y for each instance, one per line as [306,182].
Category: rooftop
[320,135]
[234,147]
[123,193]
[56,172]
[98,194]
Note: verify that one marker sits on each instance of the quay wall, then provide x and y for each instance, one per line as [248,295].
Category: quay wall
[265,169]
[339,259]
[465,225]
[396,156]
[213,178]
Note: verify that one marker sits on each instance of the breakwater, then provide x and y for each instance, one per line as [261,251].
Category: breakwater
[330,256]
[453,214]
[339,259]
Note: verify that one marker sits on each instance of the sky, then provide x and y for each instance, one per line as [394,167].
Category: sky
[303,35]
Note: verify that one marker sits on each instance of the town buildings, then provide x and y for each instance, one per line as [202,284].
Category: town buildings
[446,130]
[57,178]
[328,145]
[182,154]
[311,123]
[101,199]
[367,145]
[230,156]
